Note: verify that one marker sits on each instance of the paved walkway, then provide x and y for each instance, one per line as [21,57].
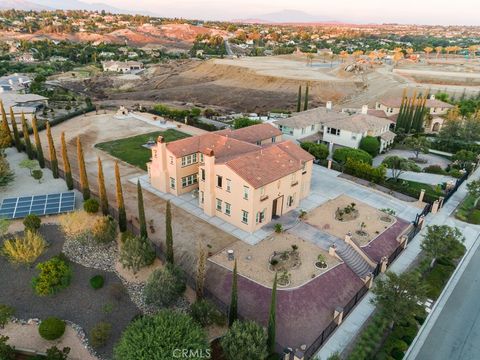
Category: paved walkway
[352,325]
[426,178]
[431,158]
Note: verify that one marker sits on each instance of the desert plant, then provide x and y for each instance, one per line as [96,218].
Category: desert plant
[91,206]
[51,328]
[205,313]
[76,225]
[37,174]
[32,222]
[136,253]
[178,330]
[6,313]
[96,282]
[55,353]
[278,228]
[165,286]
[24,250]
[55,274]
[104,229]
[100,334]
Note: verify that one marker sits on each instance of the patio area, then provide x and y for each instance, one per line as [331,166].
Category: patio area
[344,215]
[255,262]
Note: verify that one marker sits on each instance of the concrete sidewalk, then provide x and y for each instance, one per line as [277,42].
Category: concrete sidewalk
[351,326]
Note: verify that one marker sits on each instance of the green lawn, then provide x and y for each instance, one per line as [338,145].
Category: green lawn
[131,150]
[413,189]
[466,211]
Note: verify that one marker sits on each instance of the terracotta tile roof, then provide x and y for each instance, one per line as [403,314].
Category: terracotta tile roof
[311,117]
[377,113]
[252,134]
[431,103]
[261,167]
[224,147]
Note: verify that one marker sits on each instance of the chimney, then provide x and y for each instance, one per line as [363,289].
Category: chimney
[329,105]
[160,140]
[365,109]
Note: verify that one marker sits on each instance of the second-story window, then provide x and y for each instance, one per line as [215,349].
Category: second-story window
[246,191]
[189,159]
[171,160]
[219,181]
[229,185]
[202,172]
[273,139]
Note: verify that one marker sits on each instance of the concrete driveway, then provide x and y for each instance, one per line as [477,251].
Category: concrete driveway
[426,178]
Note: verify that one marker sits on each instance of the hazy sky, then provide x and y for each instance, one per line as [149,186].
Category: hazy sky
[462,12]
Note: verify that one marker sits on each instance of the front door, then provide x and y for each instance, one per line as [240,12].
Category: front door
[274,209]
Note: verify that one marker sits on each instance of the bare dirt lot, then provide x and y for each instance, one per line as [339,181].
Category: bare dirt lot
[92,129]
[246,84]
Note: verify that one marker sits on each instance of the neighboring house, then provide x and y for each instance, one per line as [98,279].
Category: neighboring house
[247,177]
[27,104]
[391,106]
[16,83]
[336,129]
[122,66]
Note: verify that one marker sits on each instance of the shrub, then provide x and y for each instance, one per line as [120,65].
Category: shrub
[32,222]
[51,328]
[320,151]
[24,250]
[7,352]
[165,286]
[55,274]
[397,354]
[140,341]
[55,353]
[76,225]
[100,334]
[341,155]
[6,175]
[370,145]
[474,217]
[136,252]
[91,206]
[434,169]
[278,228]
[37,174]
[6,312]
[97,281]
[104,229]
[365,171]
[245,340]
[205,313]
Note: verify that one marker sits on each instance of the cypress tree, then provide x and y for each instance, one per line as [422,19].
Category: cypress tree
[66,164]
[305,105]
[122,215]
[299,98]
[84,187]
[53,152]
[169,233]
[26,138]
[271,328]
[233,309]
[5,127]
[102,191]
[141,212]
[16,136]
[201,272]
[401,114]
[38,144]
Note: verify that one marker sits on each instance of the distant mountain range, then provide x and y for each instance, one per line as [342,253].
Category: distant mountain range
[286,16]
[39,5]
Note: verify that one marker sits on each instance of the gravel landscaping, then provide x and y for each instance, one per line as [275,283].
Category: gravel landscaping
[79,303]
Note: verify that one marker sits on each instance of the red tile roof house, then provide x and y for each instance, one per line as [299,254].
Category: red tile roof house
[246,177]
[391,106]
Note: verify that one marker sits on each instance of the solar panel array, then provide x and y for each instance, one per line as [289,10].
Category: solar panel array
[16,208]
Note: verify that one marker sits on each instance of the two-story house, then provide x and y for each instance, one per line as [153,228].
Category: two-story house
[246,177]
[391,106]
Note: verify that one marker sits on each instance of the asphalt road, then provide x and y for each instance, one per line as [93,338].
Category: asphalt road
[456,333]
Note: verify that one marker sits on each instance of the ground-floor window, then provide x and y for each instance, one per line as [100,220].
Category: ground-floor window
[260,216]
[219,205]
[228,209]
[172,183]
[290,200]
[202,197]
[245,216]
[189,180]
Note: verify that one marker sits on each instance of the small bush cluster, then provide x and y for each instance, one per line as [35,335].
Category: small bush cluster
[165,286]
[97,282]
[434,169]
[341,155]
[26,249]
[91,206]
[100,334]
[6,312]
[205,313]
[32,222]
[370,145]
[365,171]
[320,151]
[55,275]
[136,253]
[104,229]
[51,328]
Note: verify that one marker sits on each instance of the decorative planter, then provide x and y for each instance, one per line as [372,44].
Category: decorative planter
[321,265]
